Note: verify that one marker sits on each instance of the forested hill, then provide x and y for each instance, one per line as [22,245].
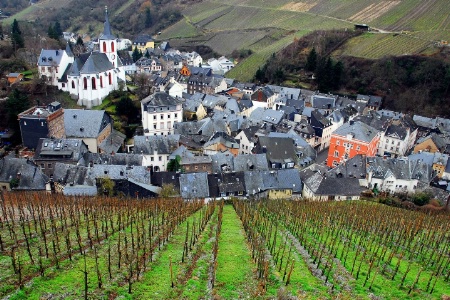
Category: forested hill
[409,83]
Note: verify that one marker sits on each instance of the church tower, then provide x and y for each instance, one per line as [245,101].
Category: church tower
[107,42]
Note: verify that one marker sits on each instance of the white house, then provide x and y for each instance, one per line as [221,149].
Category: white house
[192,58]
[247,139]
[91,76]
[220,65]
[156,150]
[159,113]
[396,140]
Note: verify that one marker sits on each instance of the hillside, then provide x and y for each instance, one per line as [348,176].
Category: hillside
[408,83]
[265,27]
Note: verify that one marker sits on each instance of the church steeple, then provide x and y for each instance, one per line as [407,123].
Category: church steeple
[107,34]
[68,50]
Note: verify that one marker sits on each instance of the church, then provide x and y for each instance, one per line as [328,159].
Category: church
[89,77]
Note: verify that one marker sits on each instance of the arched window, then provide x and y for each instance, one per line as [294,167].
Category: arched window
[73,84]
[93,83]
[85,83]
[101,81]
[110,79]
[112,46]
[104,46]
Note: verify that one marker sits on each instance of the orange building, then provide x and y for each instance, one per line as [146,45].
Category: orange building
[351,139]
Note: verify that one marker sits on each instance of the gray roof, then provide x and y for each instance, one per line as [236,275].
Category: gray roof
[96,63]
[143,38]
[83,123]
[289,179]
[156,143]
[195,160]
[340,186]
[399,168]
[123,159]
[322,101]
[182,151]
[358,130]
[113,142]
[194,185]
[31,177]
[50,58]
[107,33]
[278,149]
[66,149]
[160,99]
[222,162]
[425,157]
[80,190]
[425,122]
[248,162]
[261,115]
[352,168]
[396,131]
[253,182]
[437,140]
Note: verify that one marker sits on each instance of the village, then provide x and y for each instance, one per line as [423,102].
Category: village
[207,136]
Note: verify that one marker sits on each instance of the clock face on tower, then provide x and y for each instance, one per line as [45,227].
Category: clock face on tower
[113,56]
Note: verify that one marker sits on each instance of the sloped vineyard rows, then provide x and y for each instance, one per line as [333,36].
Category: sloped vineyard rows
[171,249]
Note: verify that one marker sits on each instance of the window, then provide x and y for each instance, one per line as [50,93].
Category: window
[161,116]
[160,158]
[196,167]
[63,85]
[104,46]
[112,46]
[154,126]
[358,148]
[85,83]
[154,117]
[161,125]
[110,79]
[73,84]
[42,123]
[49,166]
[168,116]
[169,125]
[25,123]
[151,158]
[336,153]
[175,115]
[101,81]
[338,142]
[49,69]
[94,87]
[42,166]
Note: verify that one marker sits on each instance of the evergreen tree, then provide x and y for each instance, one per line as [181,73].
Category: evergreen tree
[148,18]
[16,35]
[57,29]
[311,61]
[136,54]
[16,103]
[51,33]
[147,55]
[80,41]
[338,71]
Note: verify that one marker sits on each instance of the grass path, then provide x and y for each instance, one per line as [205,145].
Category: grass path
[234,274]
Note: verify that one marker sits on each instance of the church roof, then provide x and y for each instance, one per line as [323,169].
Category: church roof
[69,51]
[96,63]
[107,33]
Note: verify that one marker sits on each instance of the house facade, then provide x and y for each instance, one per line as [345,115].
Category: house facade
[351,139]
[159,113]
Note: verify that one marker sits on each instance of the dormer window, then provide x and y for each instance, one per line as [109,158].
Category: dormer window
[82,129]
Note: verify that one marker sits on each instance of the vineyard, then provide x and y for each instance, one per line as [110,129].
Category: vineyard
[379,45]
[77,248]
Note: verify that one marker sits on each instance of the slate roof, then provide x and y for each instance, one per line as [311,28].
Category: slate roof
[107,33]
[425,122]
[96,63]
[31,177]
[113,142]
[396,131]
[181,151]
[261,115]
[248,162]
[253,182]
[222,162]
[437,140]
[160,178]
[289,179]
[399,168]
[352,168]
[194,185]
[358,130]
[80,190]
[156,143]
[340,186]
[83,123]
[160,99]
[374,119]
[122,159]
[278,150]
[78,64]
[50,58]
[143,39]
[71,149]
[322,101]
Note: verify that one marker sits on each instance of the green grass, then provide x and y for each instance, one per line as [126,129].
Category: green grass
[234,275]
